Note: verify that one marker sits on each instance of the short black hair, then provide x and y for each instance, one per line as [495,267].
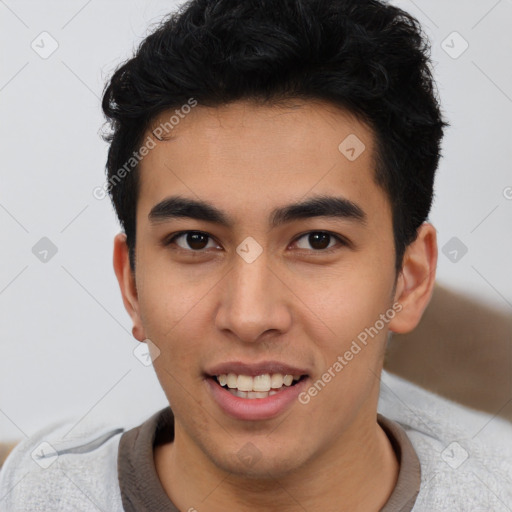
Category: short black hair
[366,56]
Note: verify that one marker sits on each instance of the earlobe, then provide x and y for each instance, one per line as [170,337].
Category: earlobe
[415,282]
[126,280]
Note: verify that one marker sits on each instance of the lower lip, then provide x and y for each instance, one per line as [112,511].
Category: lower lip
[253,409]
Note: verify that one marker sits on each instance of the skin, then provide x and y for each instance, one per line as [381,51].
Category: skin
[293,304]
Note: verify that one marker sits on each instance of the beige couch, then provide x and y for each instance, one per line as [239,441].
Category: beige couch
[5,449]
[461,349]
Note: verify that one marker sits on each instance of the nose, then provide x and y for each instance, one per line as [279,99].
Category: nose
[254,301]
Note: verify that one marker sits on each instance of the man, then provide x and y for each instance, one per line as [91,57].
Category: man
[272,166]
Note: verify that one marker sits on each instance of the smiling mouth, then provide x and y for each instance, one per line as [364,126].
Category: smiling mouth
[260,386]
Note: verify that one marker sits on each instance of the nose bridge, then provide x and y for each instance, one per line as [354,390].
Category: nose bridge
[250,282]
[253,300]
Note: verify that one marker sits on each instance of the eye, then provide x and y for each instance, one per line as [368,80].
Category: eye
[198,241]
[319,241]
[195,240]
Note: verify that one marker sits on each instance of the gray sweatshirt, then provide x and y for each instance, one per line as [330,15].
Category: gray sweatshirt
[465,457]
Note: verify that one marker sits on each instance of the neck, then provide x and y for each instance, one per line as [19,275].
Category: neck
[357,473]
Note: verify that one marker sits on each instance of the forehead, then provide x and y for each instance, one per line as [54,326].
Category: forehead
[247,157]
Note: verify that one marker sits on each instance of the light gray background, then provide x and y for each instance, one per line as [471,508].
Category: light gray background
[65,338]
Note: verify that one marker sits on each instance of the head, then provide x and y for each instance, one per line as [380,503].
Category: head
[298,142]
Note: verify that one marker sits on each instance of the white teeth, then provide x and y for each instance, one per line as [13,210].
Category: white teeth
[231,380]
[288,379]
[253,394]
[244,383]
[277,381]
[257,394]
[265,384]
[262,383]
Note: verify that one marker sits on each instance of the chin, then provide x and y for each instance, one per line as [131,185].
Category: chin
[267,465]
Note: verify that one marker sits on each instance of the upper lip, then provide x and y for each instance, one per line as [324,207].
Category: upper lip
[254,369]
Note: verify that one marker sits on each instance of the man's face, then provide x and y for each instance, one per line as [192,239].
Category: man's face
[259,297]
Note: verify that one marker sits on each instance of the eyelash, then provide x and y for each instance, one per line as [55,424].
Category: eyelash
[341,241]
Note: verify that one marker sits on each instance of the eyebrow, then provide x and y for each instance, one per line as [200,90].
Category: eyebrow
[321,206]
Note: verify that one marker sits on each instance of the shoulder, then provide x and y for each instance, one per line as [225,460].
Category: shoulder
[65,466]
[465,455]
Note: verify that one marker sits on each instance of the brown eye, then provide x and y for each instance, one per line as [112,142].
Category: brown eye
[318,240]
[191,240]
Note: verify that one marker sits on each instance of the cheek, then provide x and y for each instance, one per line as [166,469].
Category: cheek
[171,321]
[350,338]
[168,296]
[170,309]
[345,300]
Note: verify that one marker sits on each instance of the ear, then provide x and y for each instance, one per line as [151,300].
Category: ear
[126,279]
[415,282]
